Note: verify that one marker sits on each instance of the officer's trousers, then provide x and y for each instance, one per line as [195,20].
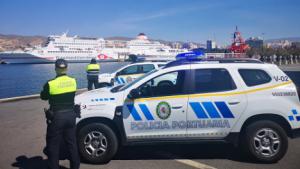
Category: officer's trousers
[92,81]
[62,128]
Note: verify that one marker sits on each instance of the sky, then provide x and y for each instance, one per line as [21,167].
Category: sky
[174,20]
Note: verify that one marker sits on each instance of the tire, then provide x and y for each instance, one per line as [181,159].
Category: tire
[263,134]
[105,146]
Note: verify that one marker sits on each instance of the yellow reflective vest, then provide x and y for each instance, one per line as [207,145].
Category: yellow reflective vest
[93,67]
[61,85]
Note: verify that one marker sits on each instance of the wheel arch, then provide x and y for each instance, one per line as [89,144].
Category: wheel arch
[272,117]
[110,123]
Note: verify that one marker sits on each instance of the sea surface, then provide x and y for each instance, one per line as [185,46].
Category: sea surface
[28,79]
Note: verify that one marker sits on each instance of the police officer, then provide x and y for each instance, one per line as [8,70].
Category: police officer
[60,93]
[92,74]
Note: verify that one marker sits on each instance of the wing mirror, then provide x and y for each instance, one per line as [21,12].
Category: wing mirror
[133,94]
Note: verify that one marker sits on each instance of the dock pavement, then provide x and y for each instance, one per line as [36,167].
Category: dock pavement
[22,139]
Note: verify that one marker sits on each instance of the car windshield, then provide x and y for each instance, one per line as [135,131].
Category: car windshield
[128,85]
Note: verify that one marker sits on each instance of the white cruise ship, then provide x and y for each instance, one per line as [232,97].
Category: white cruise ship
[152,50]
[73,49]
[79,49]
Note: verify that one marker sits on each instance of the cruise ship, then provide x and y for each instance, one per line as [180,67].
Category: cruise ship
[152,50]
[81,49]
[73,49]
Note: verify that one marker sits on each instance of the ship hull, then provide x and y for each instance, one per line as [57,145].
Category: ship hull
[25,58]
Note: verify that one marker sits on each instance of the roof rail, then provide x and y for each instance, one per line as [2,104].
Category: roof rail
[218,60]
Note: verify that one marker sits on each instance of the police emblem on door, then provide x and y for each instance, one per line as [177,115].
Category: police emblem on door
[163,110]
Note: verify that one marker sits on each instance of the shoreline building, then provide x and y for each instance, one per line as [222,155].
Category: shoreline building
[255,42]
[210,45]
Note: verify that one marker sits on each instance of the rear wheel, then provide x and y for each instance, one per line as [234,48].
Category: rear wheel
[264,141]
[97,143]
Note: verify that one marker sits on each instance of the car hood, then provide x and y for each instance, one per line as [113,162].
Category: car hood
[98,101]
[105,75]
[93,95]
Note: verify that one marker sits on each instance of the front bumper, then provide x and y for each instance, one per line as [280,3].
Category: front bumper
[295,133]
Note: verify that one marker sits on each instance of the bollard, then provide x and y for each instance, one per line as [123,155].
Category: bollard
[291,59]
[280,60]
[286,60]
[265,59]
[273,59]
[258,57]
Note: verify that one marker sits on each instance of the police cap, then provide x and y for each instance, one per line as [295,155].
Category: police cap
[61,64]
[93,60]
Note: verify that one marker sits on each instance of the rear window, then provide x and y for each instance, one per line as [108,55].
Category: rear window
[213,80]
[253,77]
[147,68]
[129,70]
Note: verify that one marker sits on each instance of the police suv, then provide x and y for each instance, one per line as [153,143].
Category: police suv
[128,73]
[245,102]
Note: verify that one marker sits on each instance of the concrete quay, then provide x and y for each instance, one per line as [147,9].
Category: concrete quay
[23,130]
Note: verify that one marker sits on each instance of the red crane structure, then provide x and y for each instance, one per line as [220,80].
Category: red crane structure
[238,45]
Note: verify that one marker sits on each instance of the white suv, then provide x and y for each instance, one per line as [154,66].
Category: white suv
[241,101]
[128,73]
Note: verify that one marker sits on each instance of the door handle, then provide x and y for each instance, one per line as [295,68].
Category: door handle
[176,107]
[234,103]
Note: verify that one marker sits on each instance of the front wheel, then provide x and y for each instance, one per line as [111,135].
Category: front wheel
[97,143]
[265,141]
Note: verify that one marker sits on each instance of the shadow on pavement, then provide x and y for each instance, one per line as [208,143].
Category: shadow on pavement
[181,151]
[37,162]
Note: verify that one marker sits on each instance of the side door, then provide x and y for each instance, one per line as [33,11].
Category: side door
[215,105]
[160,111]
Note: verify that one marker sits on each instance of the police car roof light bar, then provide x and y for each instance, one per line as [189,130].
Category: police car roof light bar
[218,60]
[190,55]
[186,58]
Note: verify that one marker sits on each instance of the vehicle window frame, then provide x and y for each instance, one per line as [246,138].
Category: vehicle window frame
[138,70]
[141,70]
[193,85]
[185,84]
[262,70]
[161,65]
[129,85]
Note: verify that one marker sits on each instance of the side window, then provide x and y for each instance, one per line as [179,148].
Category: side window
[147,68]
[213,80]
[129,70]
[253,77]
[164,85]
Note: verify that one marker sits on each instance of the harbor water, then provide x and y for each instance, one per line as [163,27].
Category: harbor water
[28,79]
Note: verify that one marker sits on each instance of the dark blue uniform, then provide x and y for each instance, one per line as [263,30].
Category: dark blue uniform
[60,93]
[92,71]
